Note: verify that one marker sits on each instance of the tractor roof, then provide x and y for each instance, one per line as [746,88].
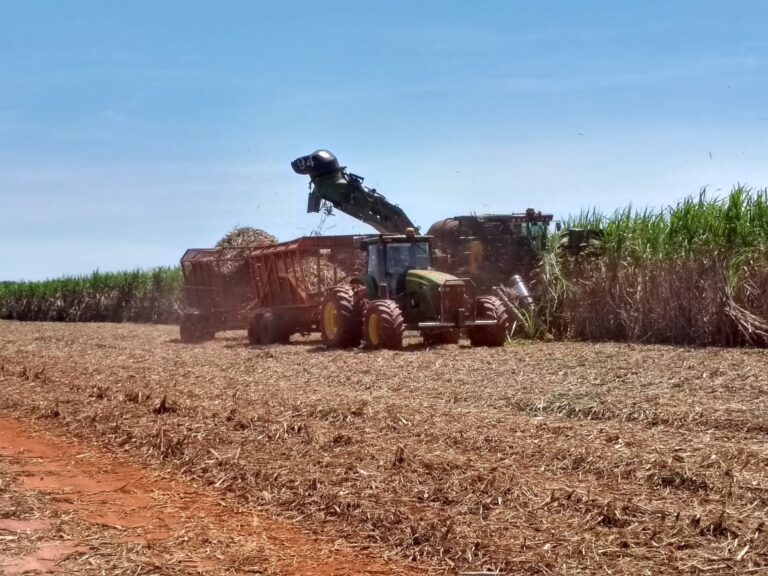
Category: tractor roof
[388,238]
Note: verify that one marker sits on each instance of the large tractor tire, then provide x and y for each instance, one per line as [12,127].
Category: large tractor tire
[489,308]
[195,328]
[340,319]
[267,328]
[384,325]
[438,337]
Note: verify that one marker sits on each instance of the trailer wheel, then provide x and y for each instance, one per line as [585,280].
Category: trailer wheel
[489,308]
[437,337]
[253,330]
[267,328]
[384,325]
[194,328]
[340,320]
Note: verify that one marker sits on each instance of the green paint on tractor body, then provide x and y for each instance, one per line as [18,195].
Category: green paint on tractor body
[422,290]
[430,278]
[420,300]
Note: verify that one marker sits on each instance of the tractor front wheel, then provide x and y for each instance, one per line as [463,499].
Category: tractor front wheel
[489,308]
[384,325]
[340,321]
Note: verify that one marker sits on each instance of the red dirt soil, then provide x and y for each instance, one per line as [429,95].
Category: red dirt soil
[99,488]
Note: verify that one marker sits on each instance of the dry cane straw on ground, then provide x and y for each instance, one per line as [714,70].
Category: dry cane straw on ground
[543,458]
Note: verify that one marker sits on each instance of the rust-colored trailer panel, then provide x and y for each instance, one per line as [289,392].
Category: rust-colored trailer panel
[216,280]
[226,288]
[300,271]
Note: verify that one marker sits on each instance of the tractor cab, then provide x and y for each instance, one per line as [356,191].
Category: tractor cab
[390,257]
[400,269]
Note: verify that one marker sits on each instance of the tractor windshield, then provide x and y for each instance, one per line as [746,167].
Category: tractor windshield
[402,256]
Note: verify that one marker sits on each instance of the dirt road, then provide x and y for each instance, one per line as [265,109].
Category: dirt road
[73,508]
[533,459]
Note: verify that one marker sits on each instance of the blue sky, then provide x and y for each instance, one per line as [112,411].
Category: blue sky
[131,131]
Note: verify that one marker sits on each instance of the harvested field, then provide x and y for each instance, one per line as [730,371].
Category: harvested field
[546,458]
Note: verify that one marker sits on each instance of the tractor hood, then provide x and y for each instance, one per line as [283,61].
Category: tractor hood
[427,278]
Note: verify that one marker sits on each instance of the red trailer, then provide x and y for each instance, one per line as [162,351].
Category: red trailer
[290,281]
[273,291]
[217,288]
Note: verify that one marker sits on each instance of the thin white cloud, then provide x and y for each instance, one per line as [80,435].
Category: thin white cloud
[690,71]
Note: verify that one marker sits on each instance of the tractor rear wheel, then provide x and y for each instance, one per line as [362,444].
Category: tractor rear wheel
[384,325]
[194,328]
[489,308]
[437,337]
[340,318]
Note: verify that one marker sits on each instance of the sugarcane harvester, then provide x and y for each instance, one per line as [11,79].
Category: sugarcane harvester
[399,289]
[489,248]
[498,252]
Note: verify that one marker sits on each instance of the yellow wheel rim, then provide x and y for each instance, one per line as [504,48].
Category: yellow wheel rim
[330,320]
[373,329]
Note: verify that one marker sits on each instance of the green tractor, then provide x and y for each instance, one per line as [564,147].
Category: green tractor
[400,291]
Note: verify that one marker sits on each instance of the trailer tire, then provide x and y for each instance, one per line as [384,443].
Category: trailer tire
[253,330]
[340,320]
[267,328]
[489,308]
[384,325]
[194,328]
